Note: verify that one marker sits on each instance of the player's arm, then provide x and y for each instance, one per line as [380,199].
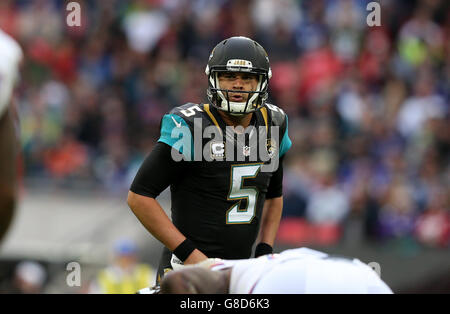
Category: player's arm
[155,220]
[12,61]
[273,206]
[157,172]
[271,216]
[196,280]
[8,176]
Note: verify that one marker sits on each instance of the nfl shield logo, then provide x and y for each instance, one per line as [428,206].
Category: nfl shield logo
[246,151]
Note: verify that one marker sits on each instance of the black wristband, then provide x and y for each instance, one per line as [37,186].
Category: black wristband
[184,250]
[263,249]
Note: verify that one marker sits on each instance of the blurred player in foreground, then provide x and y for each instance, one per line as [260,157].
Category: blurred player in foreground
[296,271]
[10,58]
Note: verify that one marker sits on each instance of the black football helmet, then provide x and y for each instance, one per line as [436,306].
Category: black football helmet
[238,54]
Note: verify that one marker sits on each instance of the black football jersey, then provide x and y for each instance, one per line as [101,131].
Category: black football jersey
[218,196]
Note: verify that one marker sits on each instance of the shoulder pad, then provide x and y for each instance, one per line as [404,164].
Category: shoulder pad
[176,132]
[188,111]
[279,119]
[277,114]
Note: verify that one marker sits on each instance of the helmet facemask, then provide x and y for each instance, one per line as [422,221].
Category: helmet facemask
[220,97]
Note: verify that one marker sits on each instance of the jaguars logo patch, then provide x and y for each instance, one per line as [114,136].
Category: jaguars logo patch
[271,148]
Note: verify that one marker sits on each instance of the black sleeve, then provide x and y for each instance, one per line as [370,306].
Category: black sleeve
[275,188]
[157,172]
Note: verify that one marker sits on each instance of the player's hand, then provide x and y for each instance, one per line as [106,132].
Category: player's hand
[195,257]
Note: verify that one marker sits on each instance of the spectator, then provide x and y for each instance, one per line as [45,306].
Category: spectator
[433,226]
[29,278]
[125,275]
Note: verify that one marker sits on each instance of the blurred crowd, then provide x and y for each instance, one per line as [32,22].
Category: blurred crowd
[123,272]
[368,106]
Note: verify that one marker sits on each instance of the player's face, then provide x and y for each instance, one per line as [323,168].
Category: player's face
[238,81]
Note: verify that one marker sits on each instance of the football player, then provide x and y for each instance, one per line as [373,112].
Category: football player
[295,271]
[10,59]
[226,188]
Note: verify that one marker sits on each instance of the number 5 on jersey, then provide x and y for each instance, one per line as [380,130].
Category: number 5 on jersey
[189,112]
[239,173]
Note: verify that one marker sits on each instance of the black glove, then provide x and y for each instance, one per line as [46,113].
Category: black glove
[263,249]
